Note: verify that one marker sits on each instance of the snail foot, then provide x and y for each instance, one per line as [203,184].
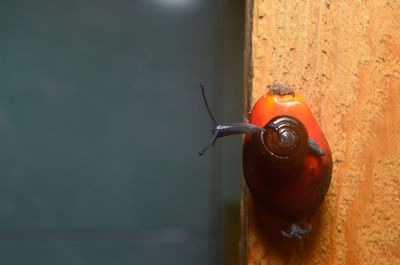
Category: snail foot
[315,147]
[296,231]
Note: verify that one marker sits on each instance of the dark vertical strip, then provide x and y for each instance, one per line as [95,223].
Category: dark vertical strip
[248,84]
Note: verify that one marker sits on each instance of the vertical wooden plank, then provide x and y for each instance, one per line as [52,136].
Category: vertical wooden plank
[247,88]
[343,57]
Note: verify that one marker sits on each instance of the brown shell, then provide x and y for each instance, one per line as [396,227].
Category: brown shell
[286,146]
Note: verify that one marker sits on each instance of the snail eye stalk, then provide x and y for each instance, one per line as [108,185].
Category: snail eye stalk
[221,130]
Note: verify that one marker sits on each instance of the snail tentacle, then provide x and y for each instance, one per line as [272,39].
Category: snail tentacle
[210,113]
[221,130]
[210,142]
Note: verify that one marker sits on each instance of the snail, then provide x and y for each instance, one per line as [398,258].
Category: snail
[287,161]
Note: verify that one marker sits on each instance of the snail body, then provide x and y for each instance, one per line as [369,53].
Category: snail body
[291,191]
[287,161]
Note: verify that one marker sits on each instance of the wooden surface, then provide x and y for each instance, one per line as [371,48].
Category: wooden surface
[343,57]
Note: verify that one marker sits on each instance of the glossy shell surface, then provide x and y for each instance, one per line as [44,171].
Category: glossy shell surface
[291,192]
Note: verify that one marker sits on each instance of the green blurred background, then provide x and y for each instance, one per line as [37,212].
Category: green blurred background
[101,120]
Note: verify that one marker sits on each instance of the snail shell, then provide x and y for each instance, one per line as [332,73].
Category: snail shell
[283,142]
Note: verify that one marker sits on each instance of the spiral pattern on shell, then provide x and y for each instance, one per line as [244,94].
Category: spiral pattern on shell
[283,142]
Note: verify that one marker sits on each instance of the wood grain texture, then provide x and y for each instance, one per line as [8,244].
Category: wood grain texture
[343,57]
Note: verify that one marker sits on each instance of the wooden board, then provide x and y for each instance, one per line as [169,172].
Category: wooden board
[343,57]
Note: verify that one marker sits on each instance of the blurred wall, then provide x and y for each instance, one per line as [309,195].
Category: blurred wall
[101,121]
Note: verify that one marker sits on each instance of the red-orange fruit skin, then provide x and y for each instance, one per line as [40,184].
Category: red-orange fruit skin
[296,191]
